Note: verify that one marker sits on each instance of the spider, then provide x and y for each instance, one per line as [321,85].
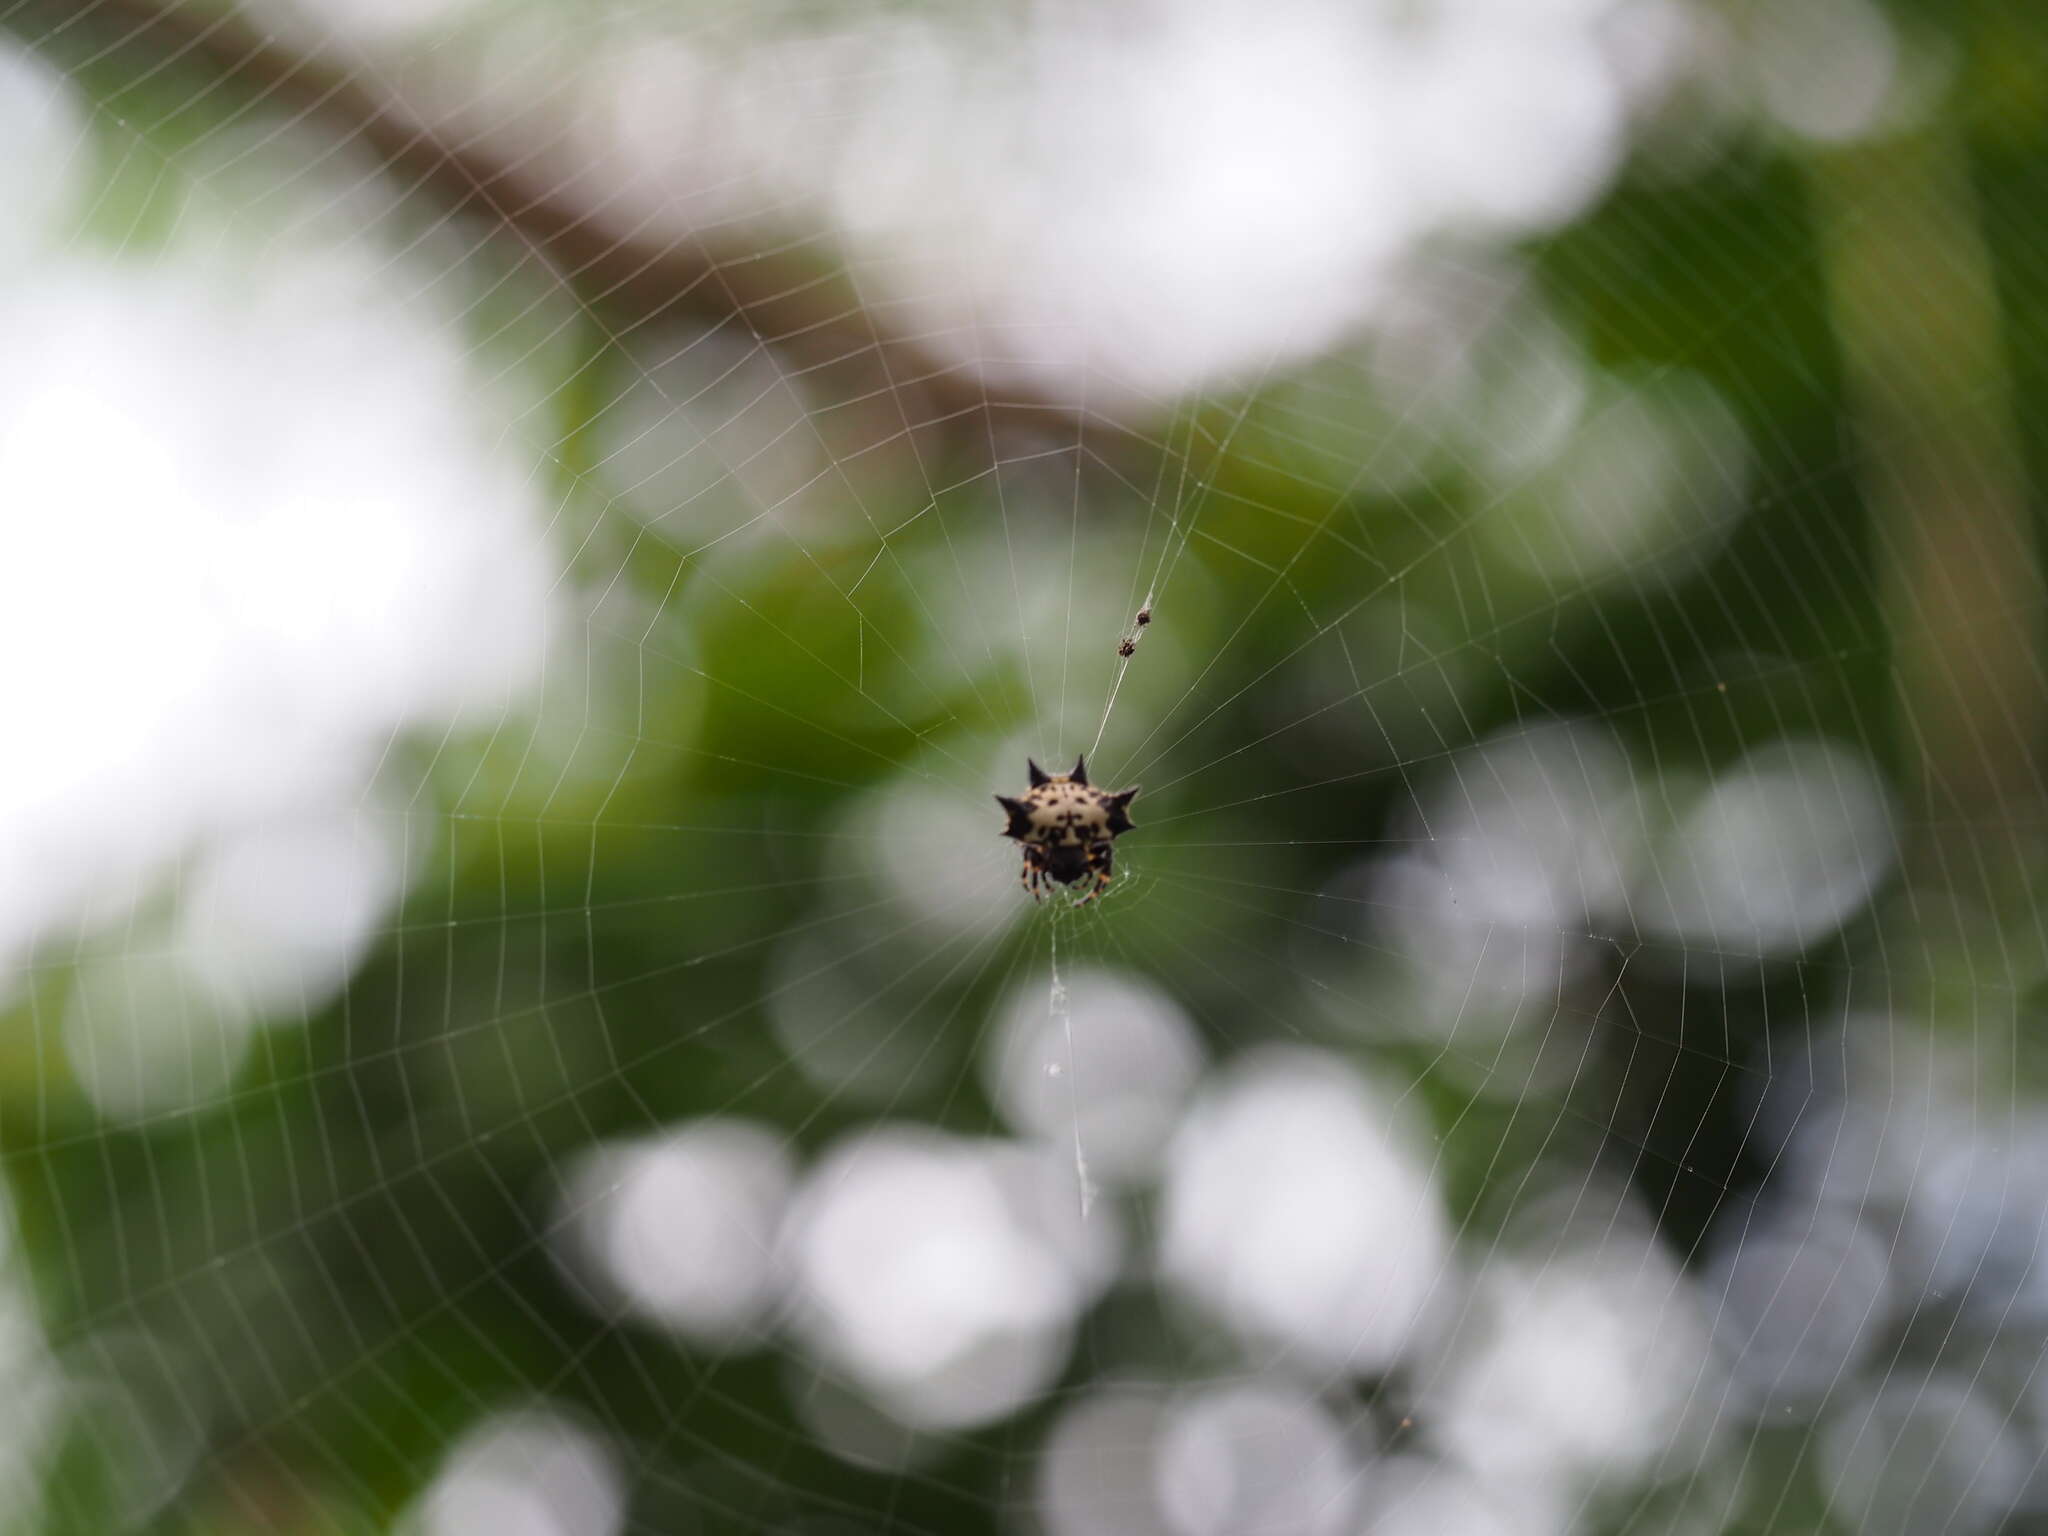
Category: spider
[1144,617]
[1068,828]
[1128,648]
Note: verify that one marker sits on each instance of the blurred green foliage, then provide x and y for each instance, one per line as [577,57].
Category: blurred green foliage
[346,1260]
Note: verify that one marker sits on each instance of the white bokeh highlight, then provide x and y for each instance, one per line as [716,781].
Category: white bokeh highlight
[1299,1210]
[1784,847]
[264,521]
[1105,206]
[523,1472]
[50,154]
[33,1408]
[937,855]
[1824,70]
[1975,1229]
[1923,1455]
[1212,1459]
[1109,1074]
[1416,1496]
[942,1275]
[272,918]
[1096,1475]
[1797,1307]
[1254,1458]
[681,1229]
[145,1036]
[1573,1369]
[713,444]
[1516,857]
[1647,486]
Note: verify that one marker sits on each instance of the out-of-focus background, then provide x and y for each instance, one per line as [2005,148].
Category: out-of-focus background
[530,532]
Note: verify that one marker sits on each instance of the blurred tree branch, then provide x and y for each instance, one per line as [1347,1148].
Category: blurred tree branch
[1916,308]
[793,293]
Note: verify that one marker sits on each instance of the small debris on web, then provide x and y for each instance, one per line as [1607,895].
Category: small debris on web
[1063,1014]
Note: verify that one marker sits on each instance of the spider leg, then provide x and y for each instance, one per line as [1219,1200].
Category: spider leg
[1033,877]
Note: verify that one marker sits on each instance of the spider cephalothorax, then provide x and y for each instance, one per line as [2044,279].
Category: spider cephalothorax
[1068,828]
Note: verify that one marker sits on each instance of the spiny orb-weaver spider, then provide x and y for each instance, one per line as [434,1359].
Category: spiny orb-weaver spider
[1068,828]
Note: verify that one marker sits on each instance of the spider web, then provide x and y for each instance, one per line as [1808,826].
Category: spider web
[541,532]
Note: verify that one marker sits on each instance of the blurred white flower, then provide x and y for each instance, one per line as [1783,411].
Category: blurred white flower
[944,1275]
[382,20]
[49,150]
[1111,1074]
[844,999]
[1824,69]
[261,520]
[145,1035]
[1862,1110]
[1517,858]
[1797,1304]
[713,442]
[271,918]
[937,855]
[1785,847]
[1922,1455]
[1975,1233]
[1575,1369]
[528,1472]
[1882,1126]
[134,1408]
[33,1406]
[1097,1476]
[683,1227]
[1129,206]
[1299,1210]
[1257,1458]
[1907,1213]
[1412,1496]
[1510,117]
[1645,489]
[1106,206]
[1142,208]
